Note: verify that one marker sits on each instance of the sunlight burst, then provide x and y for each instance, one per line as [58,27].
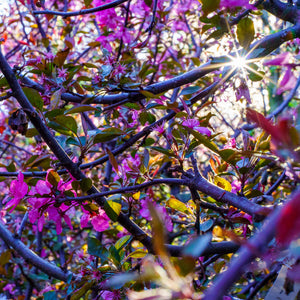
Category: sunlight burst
[238,62]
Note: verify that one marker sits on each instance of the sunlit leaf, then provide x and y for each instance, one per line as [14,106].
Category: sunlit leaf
[123,242]
[179,206]
[245,32]
[112,209]
[222,183]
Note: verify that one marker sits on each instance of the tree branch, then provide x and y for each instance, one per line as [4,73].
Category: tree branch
[31,257]
[80,12]
[255,247]
[283,11]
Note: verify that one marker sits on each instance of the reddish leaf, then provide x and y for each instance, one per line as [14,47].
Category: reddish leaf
[266,125]
[288,226]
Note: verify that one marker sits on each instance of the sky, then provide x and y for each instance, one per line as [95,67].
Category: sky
[4,3]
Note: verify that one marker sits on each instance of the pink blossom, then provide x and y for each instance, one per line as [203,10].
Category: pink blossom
[43,188]
[288,82]
[107,295]
[195,125]
[40,206]
[243,91]
[62,73]
[229,4]
[49,56]
[10,288]
[160,128]
[84,220]
[279,60]
[236,186]
[18,189]
[145,213]
[231,144]
[105,41]
[101,221]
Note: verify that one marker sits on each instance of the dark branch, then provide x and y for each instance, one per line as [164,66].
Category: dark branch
[80,12]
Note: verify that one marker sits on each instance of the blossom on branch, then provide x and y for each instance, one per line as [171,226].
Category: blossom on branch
[195,125]
[18,190]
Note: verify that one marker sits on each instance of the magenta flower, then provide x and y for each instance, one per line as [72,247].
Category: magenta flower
[62,73]
[43,188]
[49,56]
[195,125]
[10,288]
[229,4]
[160,128]
[280,60]
[107,295]
[100,221]
[40,206]
[288,82]
[231,144]
[243,91]
[145,213]
[236,186]
[18,189]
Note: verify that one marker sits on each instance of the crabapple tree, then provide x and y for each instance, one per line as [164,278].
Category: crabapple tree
[149,149]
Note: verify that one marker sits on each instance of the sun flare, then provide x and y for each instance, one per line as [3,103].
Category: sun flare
[238,62]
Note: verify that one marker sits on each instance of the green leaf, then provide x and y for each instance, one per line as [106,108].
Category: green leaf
[87,2]
[107,135]
[123,242]
[164,151]
[55,99]
[146,117]
[11,167]
[79,109]
[196,247]
[96,248]
[85,184]
[31,132]
[54,113]
[245,32]
[158,232]
[67,122]
[112,160]
[228,155]
[114,255]
[147,94]
[50,295]
[209,6]
[38,161]
[78,294]
[112,209]
[256,76]
[203,140]
[34,97]
[3,82]
[61,56]
[5,257]
[139,253]
[61,129]
[72,141]
[53,178]
[179,206]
